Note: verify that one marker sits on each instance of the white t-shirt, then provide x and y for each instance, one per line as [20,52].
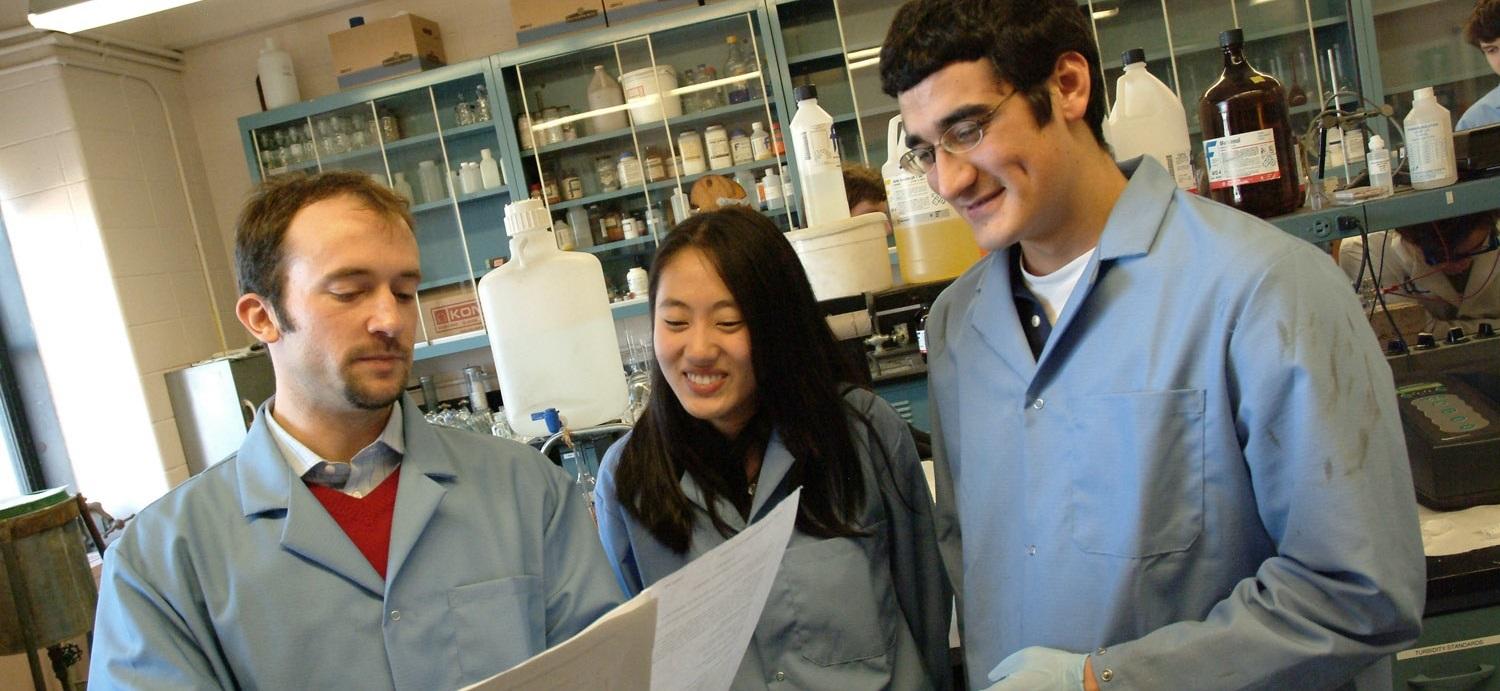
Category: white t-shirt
[1054,289]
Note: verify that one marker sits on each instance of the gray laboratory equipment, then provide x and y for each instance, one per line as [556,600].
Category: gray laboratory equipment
[215,401]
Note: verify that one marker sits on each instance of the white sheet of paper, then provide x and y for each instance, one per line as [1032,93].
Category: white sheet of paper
[707,610]
[613,653]
[687,631]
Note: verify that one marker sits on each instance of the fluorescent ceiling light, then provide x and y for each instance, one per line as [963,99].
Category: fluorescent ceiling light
[1106,14]
[72,16]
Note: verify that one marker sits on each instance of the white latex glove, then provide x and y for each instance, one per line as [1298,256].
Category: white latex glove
[1039,669]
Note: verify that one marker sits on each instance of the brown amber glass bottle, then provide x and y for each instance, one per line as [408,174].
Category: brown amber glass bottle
[1247,137]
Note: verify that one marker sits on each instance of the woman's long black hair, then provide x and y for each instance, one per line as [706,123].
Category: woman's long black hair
[798,369]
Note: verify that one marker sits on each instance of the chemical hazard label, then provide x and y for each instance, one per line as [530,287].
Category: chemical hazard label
[1241,159]
[1181,168]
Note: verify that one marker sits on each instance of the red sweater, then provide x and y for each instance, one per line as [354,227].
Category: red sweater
[367,521]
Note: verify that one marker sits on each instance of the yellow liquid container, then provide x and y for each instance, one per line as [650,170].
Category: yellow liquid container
[932,241]
[935,249]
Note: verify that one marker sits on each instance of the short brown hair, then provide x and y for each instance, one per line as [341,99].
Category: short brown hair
[262,226]
[1484,23]
[863,184]
[1438,238]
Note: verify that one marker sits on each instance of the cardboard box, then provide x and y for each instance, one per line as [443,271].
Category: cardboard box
[450,310]
[384,72]
[385,42]
[537,20]
[617,12]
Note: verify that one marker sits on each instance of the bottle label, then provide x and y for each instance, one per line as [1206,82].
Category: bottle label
[1180,165]
[816,148]
[740,150]
[913,201]
[1428,158]
[1354,146]
[1241,159]
[1379,165]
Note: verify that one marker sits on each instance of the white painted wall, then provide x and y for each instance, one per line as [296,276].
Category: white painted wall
[119,286]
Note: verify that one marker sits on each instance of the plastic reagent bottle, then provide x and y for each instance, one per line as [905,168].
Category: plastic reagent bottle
[489,169]
[932,241]
[1429,142]
[1379,162]
[278,79]
[1148,120]
[547,316]
[760,142]
[818,166]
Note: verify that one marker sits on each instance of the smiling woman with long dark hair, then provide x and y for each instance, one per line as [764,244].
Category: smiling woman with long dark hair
[750,401]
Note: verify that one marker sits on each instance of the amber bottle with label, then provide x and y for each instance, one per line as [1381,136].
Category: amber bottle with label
[1247,137]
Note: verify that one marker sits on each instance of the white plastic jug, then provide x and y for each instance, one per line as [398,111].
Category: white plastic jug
[278,79]
[1148,120]
[932,241]
[547,315]
[604,92]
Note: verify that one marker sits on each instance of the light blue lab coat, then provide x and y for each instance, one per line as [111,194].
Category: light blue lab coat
[843,613]
[1203,473]
[239,578]
[1485,111]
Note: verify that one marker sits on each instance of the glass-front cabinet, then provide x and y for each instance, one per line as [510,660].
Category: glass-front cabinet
[1307,46]
[835,46]
[1420,43]
[436,144]
[621,135]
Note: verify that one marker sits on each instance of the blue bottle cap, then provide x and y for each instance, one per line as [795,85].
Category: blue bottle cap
[550,417]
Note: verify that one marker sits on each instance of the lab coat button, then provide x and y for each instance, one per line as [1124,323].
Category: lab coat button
[1107,675]
[395,615]
[1031,550]
[1038,403]
[1035,321]
[781,676]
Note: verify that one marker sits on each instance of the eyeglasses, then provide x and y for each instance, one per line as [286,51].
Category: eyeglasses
[960,137]
[1442,255]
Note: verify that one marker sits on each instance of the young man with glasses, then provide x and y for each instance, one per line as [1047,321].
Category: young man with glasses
[1451,267]
[1168,452]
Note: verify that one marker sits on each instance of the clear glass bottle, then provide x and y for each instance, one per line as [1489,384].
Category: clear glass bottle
[735,64]
[481,104]
[606,174]
[1247,137]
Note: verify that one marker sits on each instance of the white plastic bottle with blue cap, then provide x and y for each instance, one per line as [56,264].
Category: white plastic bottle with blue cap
[547,315]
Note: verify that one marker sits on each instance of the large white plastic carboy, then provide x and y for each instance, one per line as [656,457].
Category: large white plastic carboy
[547,315]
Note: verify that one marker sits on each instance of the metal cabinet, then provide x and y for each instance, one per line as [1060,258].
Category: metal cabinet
[413,135]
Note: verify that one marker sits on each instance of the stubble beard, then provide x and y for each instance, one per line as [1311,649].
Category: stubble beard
[364,397]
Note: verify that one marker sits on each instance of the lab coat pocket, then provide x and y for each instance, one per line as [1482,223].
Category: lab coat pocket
[497,624]
[845,608]
[1137,472]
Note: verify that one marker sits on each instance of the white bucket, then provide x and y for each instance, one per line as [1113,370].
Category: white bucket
[847,257]
[651,100]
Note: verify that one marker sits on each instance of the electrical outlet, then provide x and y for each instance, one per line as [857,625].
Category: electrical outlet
[1321,228]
